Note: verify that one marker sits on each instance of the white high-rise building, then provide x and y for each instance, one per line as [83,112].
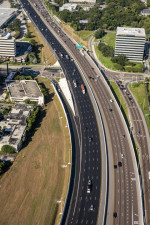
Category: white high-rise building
[7,44]
[130,42]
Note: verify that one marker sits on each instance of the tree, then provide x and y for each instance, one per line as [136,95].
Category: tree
[7,149]
[120,59]
[28,35]
[107,50]
[99,33]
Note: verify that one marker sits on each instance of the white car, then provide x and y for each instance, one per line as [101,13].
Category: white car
[111,100]
[91,208]
[122,156]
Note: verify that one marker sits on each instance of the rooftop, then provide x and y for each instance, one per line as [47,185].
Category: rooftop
[14,125]
[23,88]
[126,31]
[5,14]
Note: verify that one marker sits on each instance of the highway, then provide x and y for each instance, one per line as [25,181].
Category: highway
[126,201]
[139,133]
[138,129]
[88,155]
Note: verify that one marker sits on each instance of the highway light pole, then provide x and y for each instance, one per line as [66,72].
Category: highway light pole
[69,156]
[60,202]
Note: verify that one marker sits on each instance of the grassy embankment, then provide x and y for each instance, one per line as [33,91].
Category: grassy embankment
[80,36]
[139,93]
[109,39]
[30,189]
[42,50]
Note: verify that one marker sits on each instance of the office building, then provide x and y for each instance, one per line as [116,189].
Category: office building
[130,42]
[7,44]
[20,90]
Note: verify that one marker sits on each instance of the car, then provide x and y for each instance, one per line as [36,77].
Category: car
[111,100]
[91,208]
[138,132]
[115,214]
[115,166]
[123,135]
[122,156]
[90,139]
[120,164]
[89,186]
[110,109]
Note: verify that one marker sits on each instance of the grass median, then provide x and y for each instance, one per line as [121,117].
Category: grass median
[30,189]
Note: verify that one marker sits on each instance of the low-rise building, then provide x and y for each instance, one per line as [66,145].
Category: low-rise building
[68,6]
[145,12]
[20,90]
[6,14]
[14,126]
[82,1]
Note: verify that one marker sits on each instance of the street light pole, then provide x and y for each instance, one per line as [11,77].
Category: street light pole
[69,157]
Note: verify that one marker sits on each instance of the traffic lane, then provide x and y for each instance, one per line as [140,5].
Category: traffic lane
[108,102]
[142,141]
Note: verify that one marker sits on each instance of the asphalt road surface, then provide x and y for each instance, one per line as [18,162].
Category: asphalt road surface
[89,164]
[125,194]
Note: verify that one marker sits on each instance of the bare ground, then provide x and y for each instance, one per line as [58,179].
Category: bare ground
[30,189]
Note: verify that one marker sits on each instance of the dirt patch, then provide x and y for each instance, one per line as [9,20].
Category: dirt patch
[30,189]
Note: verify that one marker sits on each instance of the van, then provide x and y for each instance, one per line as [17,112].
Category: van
[149,175]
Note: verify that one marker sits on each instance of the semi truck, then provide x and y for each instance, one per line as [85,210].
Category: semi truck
[83,88]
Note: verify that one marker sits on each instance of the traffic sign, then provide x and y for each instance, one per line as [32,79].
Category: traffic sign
[79,46]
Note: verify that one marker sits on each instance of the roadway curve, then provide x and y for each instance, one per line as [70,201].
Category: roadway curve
[126,202]
[139,132]
[88,165]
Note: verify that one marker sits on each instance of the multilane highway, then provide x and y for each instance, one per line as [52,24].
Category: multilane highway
[88,165]
[139,133]
[126,202]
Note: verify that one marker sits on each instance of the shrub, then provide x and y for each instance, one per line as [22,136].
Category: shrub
[7,149]
[120,59]
[99,33]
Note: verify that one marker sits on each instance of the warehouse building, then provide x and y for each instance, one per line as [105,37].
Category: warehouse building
[7,44]
[130,42]
[20,90]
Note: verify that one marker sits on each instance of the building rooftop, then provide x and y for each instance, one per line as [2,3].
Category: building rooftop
[125,31]
[4,35]
[23,88]
[14,125]
[5,14]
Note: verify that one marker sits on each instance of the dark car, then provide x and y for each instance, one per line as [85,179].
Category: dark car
[115,166]
[114,214]
[119,164]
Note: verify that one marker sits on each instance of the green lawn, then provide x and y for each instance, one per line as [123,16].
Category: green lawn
[85,34]
[110,39]
[106,61]
[138,91]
